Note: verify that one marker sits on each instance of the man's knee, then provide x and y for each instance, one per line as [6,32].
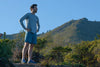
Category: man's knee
[26,44]
[31,46]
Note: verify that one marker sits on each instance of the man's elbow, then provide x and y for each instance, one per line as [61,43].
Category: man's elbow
[20,21]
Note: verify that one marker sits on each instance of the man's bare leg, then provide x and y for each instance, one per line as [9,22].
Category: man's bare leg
[24,50]
[30,50]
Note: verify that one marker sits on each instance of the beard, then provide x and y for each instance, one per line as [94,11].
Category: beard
[35,11]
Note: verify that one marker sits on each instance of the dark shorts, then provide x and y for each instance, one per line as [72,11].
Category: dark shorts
[31,38]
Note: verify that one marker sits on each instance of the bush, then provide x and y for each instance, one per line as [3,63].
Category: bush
[82,53]
[6,48]
[6,52]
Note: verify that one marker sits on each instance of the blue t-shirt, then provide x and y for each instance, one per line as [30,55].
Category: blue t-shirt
[32,22]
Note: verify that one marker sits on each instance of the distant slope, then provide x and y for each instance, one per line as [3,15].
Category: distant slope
[15,36]
[74,31]
[12,36]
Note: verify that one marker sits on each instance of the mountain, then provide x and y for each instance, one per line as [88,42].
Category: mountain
[17,35]
[73,32]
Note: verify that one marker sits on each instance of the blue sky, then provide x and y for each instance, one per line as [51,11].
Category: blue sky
[51,13]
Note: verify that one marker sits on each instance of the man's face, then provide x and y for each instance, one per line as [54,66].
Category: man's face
[34,9]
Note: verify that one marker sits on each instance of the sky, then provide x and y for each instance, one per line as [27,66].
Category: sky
[51,13]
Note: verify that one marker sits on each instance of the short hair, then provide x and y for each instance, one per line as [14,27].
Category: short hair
[32,6]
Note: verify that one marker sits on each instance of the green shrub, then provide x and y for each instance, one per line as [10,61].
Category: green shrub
[6,48]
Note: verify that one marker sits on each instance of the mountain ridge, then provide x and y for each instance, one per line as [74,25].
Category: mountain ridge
[75,31]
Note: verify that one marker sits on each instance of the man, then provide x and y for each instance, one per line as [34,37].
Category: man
[31,28]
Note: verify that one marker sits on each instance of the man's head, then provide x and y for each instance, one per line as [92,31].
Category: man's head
[33,8]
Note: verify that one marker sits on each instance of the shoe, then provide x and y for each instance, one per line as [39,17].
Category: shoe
[31,61]
[23,61]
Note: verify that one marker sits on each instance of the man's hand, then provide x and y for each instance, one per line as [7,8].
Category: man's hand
[37,31]
[28,30]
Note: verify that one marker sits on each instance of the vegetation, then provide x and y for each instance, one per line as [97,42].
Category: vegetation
[86,53]
[6,48]
[70,44]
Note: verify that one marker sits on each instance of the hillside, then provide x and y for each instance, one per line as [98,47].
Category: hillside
[17,35]
[74,32]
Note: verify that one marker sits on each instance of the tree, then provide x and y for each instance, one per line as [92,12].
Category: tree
[4,36]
